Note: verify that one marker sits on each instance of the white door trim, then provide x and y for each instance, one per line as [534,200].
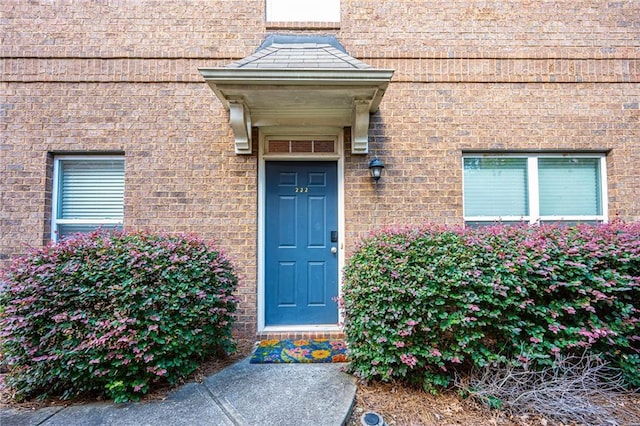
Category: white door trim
[266,133]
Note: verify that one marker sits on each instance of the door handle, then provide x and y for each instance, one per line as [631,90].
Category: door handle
[334,250]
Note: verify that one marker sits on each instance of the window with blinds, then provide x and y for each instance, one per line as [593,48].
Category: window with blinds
[569,186]
[88,194]
[534,188]
[496,187]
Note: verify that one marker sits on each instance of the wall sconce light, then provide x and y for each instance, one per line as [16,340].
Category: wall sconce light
[376,166]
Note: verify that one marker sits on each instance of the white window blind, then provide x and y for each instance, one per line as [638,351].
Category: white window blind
[569,186]
[495,187]
[92,189]
[88,193]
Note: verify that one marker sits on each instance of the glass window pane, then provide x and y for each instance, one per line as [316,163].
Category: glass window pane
[66,230]
[323,146]
[303,10]
[569,186]
[495,187]
[278,146]
[480,224]
[571,222]
[301,146]
[91,189]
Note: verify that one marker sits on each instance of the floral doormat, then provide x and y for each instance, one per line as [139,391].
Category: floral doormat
[300,351]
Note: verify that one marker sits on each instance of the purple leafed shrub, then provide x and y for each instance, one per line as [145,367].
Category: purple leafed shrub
[113,314]
[422,303]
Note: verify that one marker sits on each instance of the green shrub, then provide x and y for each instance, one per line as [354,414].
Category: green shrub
[422,303]
[113,314]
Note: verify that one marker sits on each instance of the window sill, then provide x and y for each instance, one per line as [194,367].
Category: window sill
[283,25]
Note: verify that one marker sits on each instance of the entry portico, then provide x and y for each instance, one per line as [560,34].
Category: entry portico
[299,81]
[300,92]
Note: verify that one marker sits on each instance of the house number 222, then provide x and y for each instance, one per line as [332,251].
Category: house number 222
[302,189]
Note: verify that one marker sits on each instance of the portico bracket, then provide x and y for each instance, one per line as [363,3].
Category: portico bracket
[240,119]
[360,128]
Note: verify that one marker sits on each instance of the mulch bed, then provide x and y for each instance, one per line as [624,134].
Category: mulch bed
[400,405]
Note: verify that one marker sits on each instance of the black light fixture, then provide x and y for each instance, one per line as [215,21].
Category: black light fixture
[376,166]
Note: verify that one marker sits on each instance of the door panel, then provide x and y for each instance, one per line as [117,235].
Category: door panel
[316,228]
[287,222]
[301,272]
[286,279]
[315,283]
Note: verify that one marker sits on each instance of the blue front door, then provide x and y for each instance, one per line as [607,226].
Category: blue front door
[301,240]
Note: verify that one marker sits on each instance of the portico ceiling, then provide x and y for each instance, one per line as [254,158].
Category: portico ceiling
[299,81]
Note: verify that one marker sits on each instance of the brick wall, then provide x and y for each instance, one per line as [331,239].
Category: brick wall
[491,29]
[181,173]
[70,29]
[422,130]
[121,76]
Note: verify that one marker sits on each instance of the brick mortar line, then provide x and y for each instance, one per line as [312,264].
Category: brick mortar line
[494,58]
[435,70]
[433,81]
[362,58]
[93,81]
[119,58]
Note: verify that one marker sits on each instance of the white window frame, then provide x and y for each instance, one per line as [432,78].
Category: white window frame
[55,194]
[302,11]
[534,191]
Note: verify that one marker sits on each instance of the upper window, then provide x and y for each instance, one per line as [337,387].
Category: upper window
[534,188]
[303,10]
[88,193]
[322,145]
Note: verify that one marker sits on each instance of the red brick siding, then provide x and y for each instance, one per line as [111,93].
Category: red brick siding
[121,76]
[422,130]
[132,29]
[495,29]
[181,172]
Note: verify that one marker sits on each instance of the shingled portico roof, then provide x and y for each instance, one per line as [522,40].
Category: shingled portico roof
[299,81]
[300,52]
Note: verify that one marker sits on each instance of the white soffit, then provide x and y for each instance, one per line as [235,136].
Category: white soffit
[299,81]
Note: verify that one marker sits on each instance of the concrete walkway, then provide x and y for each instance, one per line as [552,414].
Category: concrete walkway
[242,394]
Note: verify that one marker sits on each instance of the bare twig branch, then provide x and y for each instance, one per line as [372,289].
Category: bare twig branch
[582,389]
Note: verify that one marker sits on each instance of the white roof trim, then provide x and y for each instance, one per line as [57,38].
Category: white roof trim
[292,96]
